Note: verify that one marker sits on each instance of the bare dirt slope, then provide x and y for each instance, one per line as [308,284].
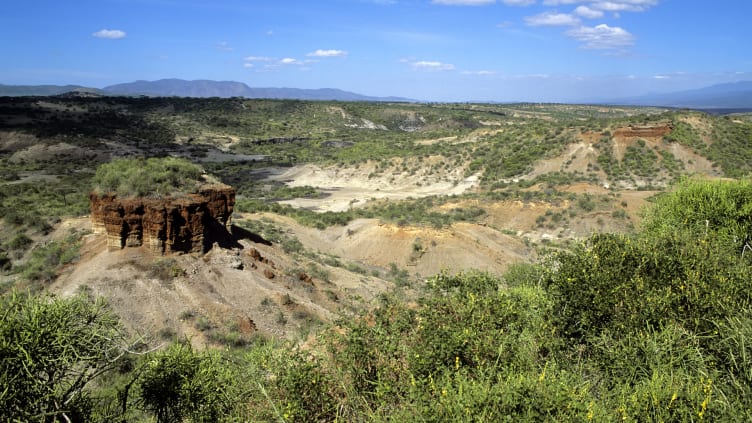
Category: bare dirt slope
[353,187]
[420,250]
[196,295]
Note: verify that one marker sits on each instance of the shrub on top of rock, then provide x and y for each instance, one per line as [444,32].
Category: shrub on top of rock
[154,177]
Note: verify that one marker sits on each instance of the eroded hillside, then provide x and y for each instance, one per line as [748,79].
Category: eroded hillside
[346,200]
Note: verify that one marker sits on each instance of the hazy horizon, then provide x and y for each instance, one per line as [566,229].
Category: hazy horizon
[429,50]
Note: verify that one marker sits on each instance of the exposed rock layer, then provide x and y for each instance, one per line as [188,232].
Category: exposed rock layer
[643,131]
[191,223]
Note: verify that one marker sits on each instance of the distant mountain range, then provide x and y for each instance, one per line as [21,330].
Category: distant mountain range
[737,95]
[198,88]
[207,88]
[41,90]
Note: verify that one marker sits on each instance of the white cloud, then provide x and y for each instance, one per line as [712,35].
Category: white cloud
[290,61]
[112,34]
[463,2]
[624,5]
[327,53]
[552,19]
[609,5]
[248,65]
[518,2]
[588,13]
[479,73]
[661,77]
[432,66]
[258,59]
[533,76]
[224,46]
[602,37]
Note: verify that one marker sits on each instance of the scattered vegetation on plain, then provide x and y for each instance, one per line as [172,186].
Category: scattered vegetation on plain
[650,326]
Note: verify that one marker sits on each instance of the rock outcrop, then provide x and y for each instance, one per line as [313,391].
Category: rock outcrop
[633,131]
[186,224]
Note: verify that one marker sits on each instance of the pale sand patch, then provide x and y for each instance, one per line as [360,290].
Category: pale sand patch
[350,187]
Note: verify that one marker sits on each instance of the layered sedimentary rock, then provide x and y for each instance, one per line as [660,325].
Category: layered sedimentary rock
[190,223]
[656,131]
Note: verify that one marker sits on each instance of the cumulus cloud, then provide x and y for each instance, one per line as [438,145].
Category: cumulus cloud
[463,2]
[552,19]
[588,13]
[327,53]
[111,34]
[608,5]
[432,66]
[602,37]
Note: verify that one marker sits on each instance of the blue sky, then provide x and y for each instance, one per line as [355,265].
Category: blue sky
[435,50]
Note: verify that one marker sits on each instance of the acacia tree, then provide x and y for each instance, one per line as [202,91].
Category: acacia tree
[51,349]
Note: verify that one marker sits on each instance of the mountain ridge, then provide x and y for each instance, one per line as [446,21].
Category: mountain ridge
[732,95]
[210,88]
[173,87]
[727,96]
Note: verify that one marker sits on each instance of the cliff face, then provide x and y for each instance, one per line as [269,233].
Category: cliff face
[187,224]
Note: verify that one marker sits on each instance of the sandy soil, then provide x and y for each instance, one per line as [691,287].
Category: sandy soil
[350,187]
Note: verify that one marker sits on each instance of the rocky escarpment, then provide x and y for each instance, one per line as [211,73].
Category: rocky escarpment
[186,224]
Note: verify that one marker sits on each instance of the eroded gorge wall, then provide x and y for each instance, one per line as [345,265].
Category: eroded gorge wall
[188,224]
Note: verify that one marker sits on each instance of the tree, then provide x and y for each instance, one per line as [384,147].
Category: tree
[51,349]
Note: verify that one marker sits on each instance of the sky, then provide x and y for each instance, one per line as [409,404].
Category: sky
[429,50]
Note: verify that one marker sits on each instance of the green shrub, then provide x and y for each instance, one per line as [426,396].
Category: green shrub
[548,394]
[179,384]
[306,390]
[625,284]
[53,350]
[706,209]
[44,261]
[153,177]
[586,203]
[19,242]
